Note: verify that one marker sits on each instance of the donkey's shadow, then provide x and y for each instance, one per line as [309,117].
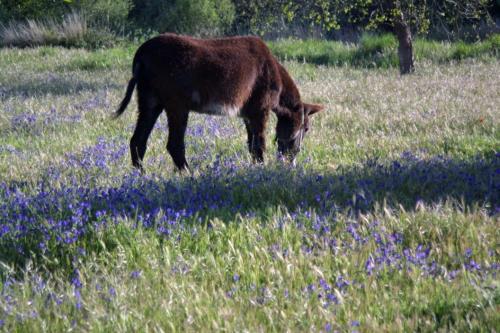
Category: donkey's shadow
[401,183]
[55,85]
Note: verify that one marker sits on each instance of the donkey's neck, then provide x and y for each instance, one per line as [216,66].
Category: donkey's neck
[290,96]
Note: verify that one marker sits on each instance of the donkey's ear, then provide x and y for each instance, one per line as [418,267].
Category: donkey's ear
[311,109]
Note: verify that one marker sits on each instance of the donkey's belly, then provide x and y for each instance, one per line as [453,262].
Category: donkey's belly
[220,108]
[217,109]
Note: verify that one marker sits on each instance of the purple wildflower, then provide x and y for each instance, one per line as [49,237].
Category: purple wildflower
[135,274]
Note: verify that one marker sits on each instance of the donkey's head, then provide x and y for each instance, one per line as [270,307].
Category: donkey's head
[292,126]
[293,117]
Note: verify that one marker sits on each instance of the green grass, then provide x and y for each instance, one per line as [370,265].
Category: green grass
[261,267]
[381,51]
[372,51]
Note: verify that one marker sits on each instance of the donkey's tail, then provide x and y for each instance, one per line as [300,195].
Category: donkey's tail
[126,99]
[130,89]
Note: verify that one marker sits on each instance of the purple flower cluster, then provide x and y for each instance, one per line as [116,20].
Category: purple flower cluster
[45,213]
[23,121]
[8,149]
[35,124]
[100,156]
[99,100]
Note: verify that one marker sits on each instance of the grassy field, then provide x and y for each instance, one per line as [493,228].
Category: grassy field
[390,221]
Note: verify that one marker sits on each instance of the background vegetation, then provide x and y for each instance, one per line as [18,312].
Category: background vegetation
[103,23]
[373,51]
[271,19]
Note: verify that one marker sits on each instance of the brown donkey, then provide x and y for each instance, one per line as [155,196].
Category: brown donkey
[230,77]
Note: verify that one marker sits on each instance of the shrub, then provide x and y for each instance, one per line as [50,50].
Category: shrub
[105,14]
[260,17]
[202,17]
[15,10]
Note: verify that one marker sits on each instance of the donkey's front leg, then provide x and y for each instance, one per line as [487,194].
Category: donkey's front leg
[177,123]
[256,130]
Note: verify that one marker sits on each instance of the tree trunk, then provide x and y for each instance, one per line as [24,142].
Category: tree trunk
[405,48]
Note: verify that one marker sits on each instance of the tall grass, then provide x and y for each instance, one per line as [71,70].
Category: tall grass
[72,31]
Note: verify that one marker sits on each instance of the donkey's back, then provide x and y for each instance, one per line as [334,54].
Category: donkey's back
[214,76]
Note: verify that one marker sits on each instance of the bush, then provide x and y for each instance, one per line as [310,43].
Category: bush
[105,14]
[260,17]
[202,17]
[16,10]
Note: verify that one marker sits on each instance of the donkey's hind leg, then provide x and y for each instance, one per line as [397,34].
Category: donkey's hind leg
[149,110]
